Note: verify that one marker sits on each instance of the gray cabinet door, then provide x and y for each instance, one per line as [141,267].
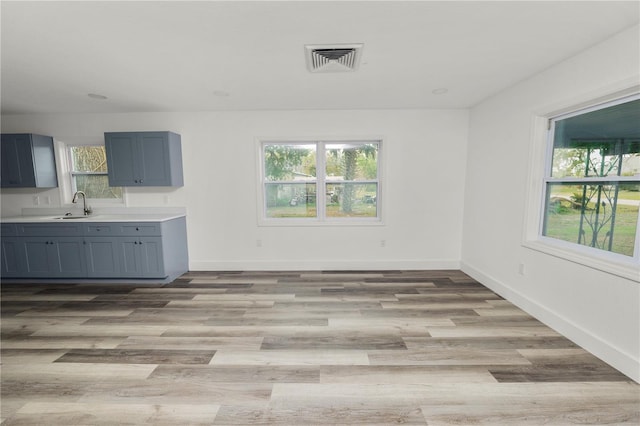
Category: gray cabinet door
[17,161]
[122,157]
[36,250]
[28,161]
[67,257]
[141,257]
[12,258]
[54,257]
[102,257]
[130,263]
[153,149]
[151,257]
[144,158]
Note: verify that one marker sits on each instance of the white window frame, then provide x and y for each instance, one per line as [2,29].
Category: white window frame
[541,154]
[67,182]
[321,181]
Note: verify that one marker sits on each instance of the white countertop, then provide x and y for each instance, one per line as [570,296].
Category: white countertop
[93,218]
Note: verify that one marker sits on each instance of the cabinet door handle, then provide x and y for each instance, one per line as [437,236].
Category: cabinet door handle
[137,229]
[140,180]
[140,243]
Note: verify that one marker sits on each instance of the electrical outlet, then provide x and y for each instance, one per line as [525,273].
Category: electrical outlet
[521,269]
[383,243]
[36,200]
[258,243]
[47,200]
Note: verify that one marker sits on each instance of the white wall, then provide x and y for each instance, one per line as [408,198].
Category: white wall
[424,161]
[598,310]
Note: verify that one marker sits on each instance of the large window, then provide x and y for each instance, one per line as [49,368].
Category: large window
[592,183]
[88,172]
[321,181]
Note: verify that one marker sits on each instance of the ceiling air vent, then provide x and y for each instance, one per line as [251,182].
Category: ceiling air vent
[333,58]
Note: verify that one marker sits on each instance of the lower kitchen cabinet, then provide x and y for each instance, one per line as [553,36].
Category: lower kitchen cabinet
[103,257]
[12,262]
[54,257]
[142,257]
[95,250]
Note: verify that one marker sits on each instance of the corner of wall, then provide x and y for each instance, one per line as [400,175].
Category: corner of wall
[606,351]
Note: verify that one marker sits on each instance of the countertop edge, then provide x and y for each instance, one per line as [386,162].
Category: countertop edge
[93,219]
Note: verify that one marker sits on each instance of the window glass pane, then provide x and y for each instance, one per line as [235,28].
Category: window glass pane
[88,159]
[605,142]
[604,216]
[352,200]
[352,161]
[92,159]
[290,200]
[290,162]
[96,186]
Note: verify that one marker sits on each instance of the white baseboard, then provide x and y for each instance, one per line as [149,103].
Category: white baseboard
[324,265]
[620,360]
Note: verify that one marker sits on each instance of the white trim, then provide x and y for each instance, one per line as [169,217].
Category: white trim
[317,265]
[612,355]
[601,260]
[596,105]
[540,152]
[66,185]
[320,181]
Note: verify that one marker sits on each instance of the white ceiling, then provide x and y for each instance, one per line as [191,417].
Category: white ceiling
[237,55]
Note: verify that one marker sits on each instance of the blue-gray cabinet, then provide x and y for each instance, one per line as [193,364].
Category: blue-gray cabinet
[48,250]
[10,260]
[142,256]
[137,246]
[144,158]
[12,264]
[95,249]
[103,257]
[28,161]
[54,257]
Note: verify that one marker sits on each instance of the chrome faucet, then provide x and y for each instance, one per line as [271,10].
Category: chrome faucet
[87,210]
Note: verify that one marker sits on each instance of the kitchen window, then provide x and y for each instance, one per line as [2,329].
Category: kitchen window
[320,182]
[88,172]
[592,180]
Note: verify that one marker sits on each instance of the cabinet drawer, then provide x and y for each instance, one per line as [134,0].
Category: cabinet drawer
[8,230]
[101,229]
[139,229]
[50,229]
[122,229]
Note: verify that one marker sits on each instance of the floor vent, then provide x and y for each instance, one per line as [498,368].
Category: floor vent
[333,58]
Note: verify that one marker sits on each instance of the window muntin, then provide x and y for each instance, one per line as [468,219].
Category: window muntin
[592,188]
[88,172]
[321,181]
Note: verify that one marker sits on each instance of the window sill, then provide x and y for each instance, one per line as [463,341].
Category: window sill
[312,222]
[621,266]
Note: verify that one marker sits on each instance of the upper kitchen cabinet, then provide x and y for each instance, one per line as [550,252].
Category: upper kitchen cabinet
[28,161]
[144,158]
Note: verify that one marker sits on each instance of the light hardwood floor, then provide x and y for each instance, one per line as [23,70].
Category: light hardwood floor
[292,348]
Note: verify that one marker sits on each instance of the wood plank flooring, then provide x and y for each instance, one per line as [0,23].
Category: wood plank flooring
[292,348]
